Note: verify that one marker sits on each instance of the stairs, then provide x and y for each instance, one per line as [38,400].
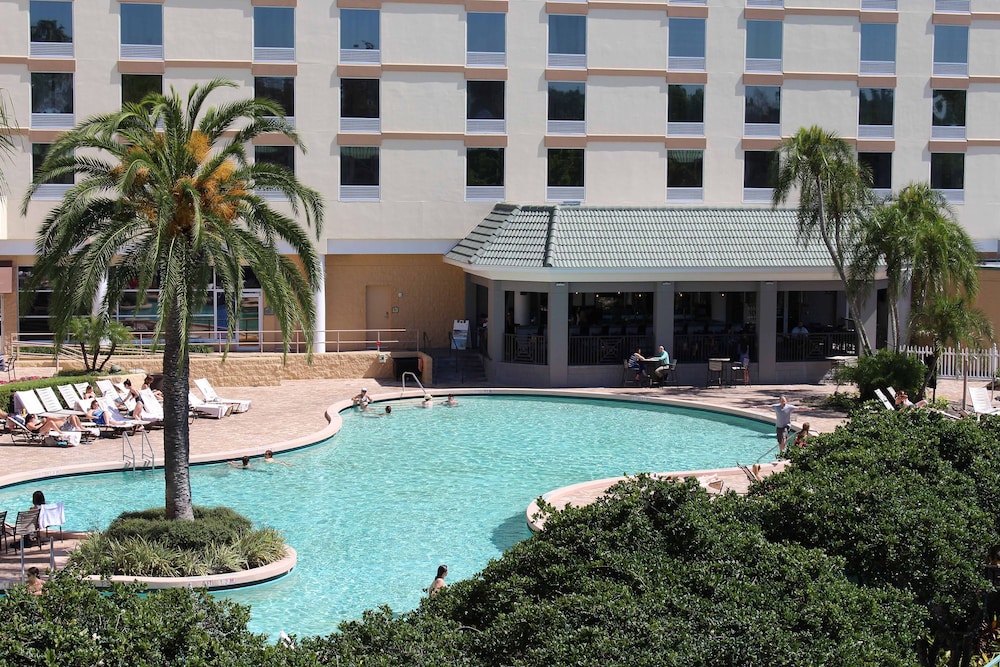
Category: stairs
[457,368]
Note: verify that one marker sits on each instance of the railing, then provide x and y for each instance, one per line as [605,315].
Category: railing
[525,349]
[605,350]
[953,363]
[816,346]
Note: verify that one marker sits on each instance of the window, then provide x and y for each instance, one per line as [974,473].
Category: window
[685,173]
[51,31]
[359,173]
[282,156]
[136,86]
[359,105]
[948,116]
[486,39]
[280,89]
[485,107]
[38,154]
[359,36]
[875,112]
[760,171]
[141,31]
[567,41]
[948,175]
[686,44]
[878,48]
[567,105]
[565,174]
[686,110]
[484,171]
[274,34]
[951,50]
[51,99]
[762,111]
[879,167]
[764,46]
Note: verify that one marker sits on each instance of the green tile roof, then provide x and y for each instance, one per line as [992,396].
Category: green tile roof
[580,237]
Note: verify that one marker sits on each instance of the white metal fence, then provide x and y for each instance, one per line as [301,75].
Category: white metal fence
[954,363]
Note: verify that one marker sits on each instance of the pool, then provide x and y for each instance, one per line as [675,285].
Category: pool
[374,510]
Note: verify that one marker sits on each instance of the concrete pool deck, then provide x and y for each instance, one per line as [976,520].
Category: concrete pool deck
[295,413]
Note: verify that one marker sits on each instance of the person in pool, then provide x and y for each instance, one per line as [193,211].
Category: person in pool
[362,400]
[243,463]
[438,584]
[269,458]
[451,402]
[428,401]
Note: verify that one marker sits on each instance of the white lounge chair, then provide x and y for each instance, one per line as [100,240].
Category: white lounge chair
[207,409]
[885,400]
[27,401]
[69,394]
[981,404]
[205,387]
[51,402]
[151,407]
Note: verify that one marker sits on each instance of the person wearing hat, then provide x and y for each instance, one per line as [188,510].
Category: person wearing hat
[362,400]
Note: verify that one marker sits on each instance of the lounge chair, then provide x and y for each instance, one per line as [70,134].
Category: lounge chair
[152,410]
[25,525]
[51,402]
[749,473]
[28,401]
[885,400]
[207,409]
[69,394]
[205,387]
[20,434]
[981,404]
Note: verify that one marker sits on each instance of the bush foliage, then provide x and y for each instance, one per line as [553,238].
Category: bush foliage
[885,369]
[868,550]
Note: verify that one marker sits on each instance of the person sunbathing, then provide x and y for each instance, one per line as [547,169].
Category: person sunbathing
[43,426]
[103,417]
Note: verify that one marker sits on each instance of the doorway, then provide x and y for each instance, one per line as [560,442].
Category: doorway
[378,306]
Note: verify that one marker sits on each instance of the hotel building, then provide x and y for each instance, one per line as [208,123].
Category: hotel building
[581,177]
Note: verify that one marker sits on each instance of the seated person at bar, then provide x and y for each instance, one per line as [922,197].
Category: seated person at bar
[664,359]
[635,363]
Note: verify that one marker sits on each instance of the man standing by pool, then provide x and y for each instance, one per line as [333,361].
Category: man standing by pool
[783,420]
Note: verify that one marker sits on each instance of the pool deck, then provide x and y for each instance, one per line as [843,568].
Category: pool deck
[296,413]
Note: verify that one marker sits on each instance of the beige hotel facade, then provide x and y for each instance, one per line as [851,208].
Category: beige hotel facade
[628,142]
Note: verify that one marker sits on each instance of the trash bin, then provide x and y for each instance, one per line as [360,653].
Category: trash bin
[405,365]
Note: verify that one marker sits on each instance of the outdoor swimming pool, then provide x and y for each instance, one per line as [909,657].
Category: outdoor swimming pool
[373,511]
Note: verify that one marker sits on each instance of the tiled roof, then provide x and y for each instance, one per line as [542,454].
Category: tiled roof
[575,237]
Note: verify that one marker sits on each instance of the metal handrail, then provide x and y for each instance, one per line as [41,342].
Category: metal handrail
[415,379]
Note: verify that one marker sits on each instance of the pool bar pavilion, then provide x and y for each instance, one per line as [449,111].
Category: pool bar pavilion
[562,295]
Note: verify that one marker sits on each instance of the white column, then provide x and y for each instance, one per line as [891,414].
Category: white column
[319,333]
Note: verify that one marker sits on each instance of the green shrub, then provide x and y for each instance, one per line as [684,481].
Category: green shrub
[886,369]
[260,547]
[211,525]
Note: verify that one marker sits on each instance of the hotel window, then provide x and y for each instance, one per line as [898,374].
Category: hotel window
[141,31]
[685,176]
[948,117]
[567,107]
[879,167]
[282,156]
[359,36]
[484,174]
[567,41]
[54,189]
[280,89]
[565,175]
[51,29]
[274,34]
[359,105]
[686,44]
[135,87]
[359,173]
[484,107]
[952,6]
[764,47]
[948,176]
[760,172]
[486,39]
[52,100]
[762,111]
[878,48]
[686,110]
[951,50]
[875,112]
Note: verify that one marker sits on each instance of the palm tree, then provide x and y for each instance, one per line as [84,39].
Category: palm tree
[169,209]
[833,195]
[949,319]
[944,256]
[883,238]
[7,123]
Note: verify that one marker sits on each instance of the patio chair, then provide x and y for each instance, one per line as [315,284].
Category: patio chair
[51,402]
[69,395]
[207,408]
[749,473]
[21,434]
[152,410]
[50,515]
[3,529]
[884,399]
[205,387]
[27,401]
[715,372]
[981,404]
[25,526]
[629,375]
[739,372]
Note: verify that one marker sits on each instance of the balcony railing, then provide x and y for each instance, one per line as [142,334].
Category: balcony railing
[525,349]
[816,346]
[485,59]
[946,132]
[676,129]
[607,350]
[877,67]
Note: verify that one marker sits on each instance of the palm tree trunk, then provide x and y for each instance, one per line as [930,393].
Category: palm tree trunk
[176,440]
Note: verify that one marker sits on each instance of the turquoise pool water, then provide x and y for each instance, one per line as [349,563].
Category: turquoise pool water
[373,511]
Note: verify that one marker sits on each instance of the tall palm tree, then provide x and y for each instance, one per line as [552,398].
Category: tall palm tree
[834,194]
[948,319]
[171,208]
[944,256]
